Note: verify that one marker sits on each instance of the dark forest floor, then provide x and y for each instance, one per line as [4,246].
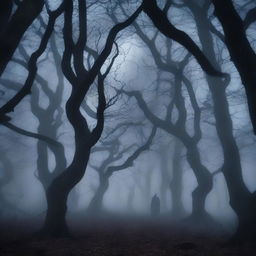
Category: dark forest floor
[122,237]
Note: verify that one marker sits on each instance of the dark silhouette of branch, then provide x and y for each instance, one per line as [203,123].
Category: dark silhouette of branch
[32,134]
[78,51]
[102,104]
[129,161]
[160,20]
[90,112]
[32,67]
[110,42]
[250,18]
[218,171]
[216,32]
[121,125]
[8,84]
[114,155]
[23,17]
[163,124]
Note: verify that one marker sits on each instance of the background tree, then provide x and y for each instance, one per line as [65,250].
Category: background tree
[108,166]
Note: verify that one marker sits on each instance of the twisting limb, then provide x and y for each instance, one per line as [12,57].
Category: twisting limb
[22,18]
[32,67]
[250,18]
[32,134]
[129,161]
[161,21]
[102,104]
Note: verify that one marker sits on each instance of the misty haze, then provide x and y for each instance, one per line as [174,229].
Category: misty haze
[128,127]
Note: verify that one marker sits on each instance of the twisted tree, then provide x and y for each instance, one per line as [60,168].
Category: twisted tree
[108,167]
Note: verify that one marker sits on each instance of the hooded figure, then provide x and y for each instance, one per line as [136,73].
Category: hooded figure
[155,206]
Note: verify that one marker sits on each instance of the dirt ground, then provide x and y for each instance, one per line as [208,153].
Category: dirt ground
[120,238]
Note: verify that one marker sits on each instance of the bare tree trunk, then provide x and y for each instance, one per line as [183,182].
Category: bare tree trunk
[176,185]
[106,171]
[241,200]
[242,54]
[55,222]
[202,174]
[130,199]
[165,176]
[204,179]
[96,203]
[81,80]
[57,193]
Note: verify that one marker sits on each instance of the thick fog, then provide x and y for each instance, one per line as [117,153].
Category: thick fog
[146,116]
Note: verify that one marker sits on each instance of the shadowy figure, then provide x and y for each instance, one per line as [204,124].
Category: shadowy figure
[155,206]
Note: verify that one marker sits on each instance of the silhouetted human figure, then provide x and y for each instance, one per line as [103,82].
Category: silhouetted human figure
[155,206]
